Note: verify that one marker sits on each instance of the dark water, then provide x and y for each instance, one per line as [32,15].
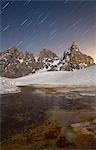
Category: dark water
[30,107]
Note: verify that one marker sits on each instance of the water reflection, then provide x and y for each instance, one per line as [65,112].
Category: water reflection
[33,106]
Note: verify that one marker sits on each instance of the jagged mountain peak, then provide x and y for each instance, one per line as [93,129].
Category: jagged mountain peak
[74,46]
[74,58]
[12,50]
[16,63]
[45,53]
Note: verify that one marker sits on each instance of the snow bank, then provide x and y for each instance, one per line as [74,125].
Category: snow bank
[7,86]
[84,77]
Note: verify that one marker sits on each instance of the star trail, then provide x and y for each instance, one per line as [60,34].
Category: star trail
[32,25]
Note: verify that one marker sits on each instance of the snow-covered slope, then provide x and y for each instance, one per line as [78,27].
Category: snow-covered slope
[7,86]
[81,77]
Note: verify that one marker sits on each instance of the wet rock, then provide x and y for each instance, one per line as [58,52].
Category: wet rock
[52,133]
[63,143]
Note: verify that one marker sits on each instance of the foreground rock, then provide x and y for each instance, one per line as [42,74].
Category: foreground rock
[87,128]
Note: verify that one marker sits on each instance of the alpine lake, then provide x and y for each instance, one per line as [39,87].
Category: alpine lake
[49,118]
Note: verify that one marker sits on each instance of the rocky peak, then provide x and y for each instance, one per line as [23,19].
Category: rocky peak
[45,53]
[74,46]
[75,58]
[12,50]
[29,57]
[15,63]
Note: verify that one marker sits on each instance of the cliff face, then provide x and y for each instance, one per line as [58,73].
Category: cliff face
[15,63]
[45,53]
[74,58]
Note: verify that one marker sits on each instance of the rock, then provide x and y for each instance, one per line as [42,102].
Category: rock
[45,54]
[15,63]
[62,142]
[74,46]
[74,59]
[87,128]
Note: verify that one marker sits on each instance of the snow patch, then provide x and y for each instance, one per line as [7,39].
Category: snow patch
[7,86]
[83,77]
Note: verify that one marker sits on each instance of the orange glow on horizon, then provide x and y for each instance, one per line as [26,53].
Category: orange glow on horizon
[95,60]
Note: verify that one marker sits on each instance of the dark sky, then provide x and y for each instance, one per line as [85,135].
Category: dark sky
[33,25]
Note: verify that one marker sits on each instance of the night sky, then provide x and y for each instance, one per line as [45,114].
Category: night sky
[33,25]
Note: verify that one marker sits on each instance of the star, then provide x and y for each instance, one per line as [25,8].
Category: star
[5,5]
[24,22]
[4,29]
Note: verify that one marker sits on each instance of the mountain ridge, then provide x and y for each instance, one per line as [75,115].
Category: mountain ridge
[16,63]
